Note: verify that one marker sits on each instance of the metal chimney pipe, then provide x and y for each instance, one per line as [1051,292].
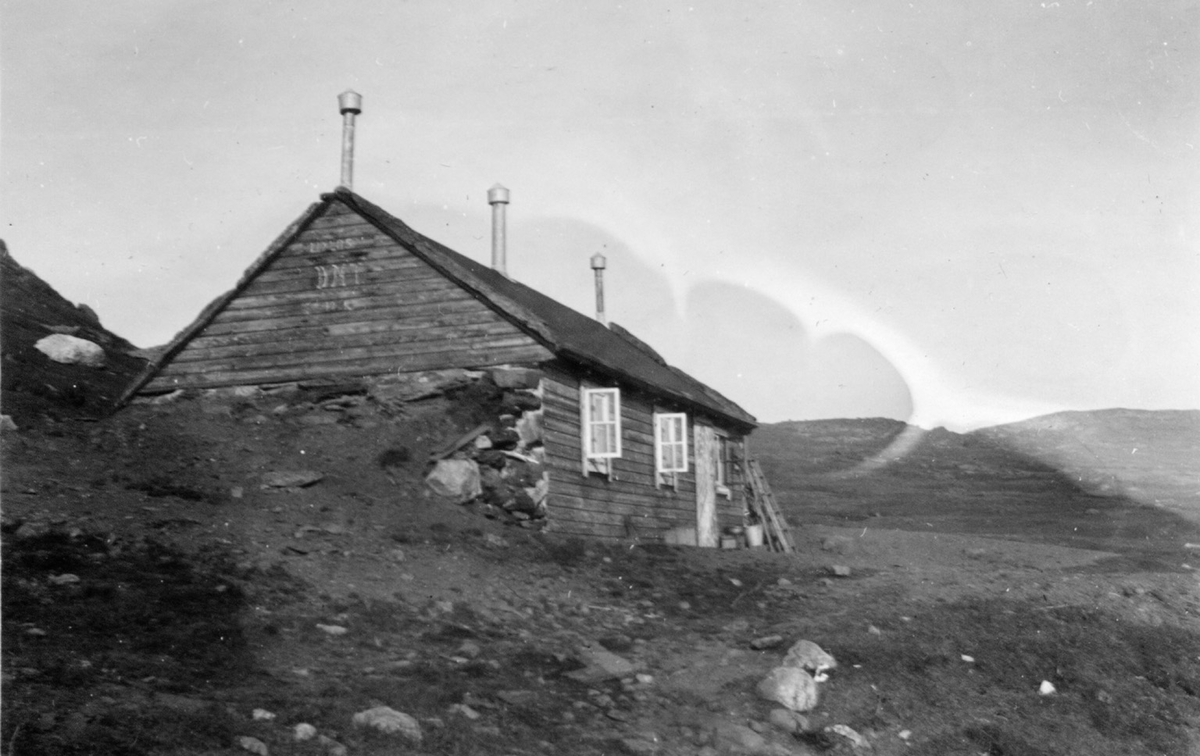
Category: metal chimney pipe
[350,105]
[498,199]
[599,263]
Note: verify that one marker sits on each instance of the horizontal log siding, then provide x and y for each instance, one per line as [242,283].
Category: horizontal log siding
[248,324]
[327,307]
[424,343]
[348,326]
[357,368]
[351,344]
[629,505]
[381,310]
[399,285]
[366,278]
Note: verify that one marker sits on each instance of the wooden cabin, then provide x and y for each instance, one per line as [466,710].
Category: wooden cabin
[631,446]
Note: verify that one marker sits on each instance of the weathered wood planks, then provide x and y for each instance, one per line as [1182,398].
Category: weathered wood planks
[248,323]
[312,328]
[430,286]
[380,338]
[601,507]
[391,353]
[375,366]
[332,306]
[343,298]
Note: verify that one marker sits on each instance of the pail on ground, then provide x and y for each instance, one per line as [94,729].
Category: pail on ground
[754,536]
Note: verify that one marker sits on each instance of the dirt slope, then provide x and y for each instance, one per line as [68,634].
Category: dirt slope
[156,594]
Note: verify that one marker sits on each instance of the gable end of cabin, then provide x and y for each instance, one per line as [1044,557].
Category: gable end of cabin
[342,298]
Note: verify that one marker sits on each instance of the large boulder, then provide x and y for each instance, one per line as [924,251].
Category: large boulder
[389,721]
[807,655]
[71,350]
[791,686]
[456,479]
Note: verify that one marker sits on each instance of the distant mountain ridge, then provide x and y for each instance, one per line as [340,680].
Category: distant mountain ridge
[1113,422]
[1095,478]
[1171,438]
[1150,455]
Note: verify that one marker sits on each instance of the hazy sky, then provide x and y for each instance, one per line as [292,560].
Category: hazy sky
[955,213]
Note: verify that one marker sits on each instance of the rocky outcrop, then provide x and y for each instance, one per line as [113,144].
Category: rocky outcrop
[501,462]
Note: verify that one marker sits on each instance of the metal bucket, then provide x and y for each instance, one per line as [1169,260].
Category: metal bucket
[754,536]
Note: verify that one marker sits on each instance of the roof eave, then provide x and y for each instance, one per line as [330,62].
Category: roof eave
[747,421]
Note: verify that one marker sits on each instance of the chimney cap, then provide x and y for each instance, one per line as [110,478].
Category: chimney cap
[497,193]
[599,261]
[350,102]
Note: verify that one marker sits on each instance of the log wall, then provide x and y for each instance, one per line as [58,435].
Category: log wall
[629,504]
[344,299]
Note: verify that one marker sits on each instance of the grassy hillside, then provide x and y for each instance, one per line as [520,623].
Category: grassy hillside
[1012,482]
[1150,456]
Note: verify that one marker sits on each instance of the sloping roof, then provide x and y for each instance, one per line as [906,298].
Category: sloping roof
[564,331]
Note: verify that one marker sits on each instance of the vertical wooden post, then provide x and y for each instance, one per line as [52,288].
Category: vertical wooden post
[706,486]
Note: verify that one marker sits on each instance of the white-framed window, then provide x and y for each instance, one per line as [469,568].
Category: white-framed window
[724,460]
[601,423]
[670,442]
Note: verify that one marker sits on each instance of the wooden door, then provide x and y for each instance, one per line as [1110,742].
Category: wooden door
[706,485]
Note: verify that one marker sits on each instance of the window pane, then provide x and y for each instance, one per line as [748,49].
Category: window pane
[671,434]
[602,422]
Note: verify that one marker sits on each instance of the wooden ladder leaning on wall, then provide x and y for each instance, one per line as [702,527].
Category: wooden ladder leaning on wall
[776,531]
